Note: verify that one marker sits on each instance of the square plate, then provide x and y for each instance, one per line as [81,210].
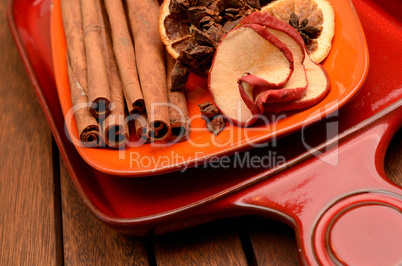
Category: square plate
[347,67]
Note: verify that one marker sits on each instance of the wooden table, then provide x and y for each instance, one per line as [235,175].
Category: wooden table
[44,222]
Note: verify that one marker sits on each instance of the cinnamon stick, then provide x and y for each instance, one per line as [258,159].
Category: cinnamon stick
[115,129]
[98,83]
[125,56]
[150,59]
[73,31]
[88,127]
[141,127]
[178,112]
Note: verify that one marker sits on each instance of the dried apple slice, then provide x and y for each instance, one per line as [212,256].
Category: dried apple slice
[317,77]
[317,89]
[251,50]
[296,87]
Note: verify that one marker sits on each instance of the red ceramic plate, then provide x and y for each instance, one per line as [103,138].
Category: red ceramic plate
[347,66]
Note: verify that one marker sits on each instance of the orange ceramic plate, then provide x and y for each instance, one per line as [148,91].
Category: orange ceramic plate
[347,66]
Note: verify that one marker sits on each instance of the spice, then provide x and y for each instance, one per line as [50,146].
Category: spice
[204,22]
[115,129]
[216,125]
[215,121]
[75,40]
[150,59]
[141,127]
[88,127]
[125,56]
[178,112]
[208,110]
[308,33]
[95,45]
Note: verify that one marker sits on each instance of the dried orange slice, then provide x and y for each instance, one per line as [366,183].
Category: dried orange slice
[174,30]
[314,19]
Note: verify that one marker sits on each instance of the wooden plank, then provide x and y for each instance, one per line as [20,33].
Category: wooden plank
[273,242]
[393,159]
[27,211]
[217,243]
[87,241]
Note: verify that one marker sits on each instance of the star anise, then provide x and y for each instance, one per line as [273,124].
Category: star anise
[308,33]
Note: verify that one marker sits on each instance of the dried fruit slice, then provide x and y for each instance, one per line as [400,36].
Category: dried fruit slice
[174,29]
[294,97]
[247,49]
[296,87]
[314,19]
[318,87]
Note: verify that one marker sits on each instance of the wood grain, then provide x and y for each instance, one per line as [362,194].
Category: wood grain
[87,241]
[217,243]
[273,242]
[393,159]
[27,214]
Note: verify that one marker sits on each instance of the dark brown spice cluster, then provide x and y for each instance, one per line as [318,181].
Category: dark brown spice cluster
[215,121]
[205,21]
[308,33]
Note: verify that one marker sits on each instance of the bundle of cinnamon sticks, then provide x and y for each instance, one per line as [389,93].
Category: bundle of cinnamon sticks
[118,71]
